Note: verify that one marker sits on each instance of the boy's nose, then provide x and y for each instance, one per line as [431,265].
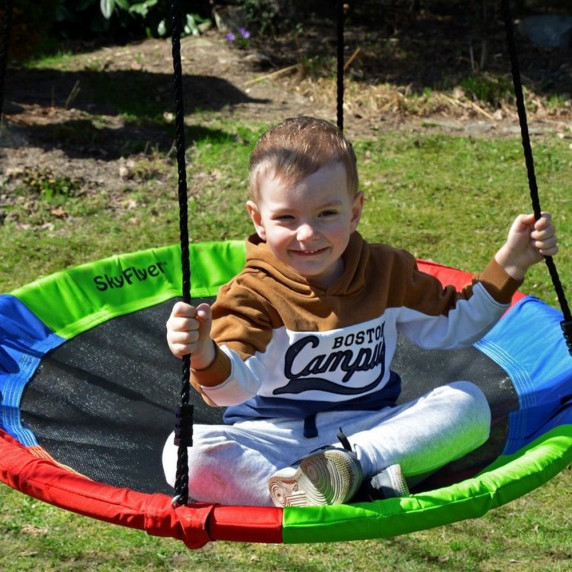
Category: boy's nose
[305,232]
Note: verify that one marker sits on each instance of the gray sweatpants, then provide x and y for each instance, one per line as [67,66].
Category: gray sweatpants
[230,464]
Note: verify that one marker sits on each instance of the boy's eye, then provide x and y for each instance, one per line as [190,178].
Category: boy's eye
[328,213]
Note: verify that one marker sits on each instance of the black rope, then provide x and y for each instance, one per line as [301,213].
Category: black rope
[340,67]
[6,29]
[566,324]
[183,426]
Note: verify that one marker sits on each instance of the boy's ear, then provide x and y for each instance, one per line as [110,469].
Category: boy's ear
[256,218]
[357,208]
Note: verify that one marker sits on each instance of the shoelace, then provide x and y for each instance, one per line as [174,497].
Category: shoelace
[344,440]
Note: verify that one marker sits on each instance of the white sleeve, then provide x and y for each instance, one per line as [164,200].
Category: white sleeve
[464,324]
[242,384]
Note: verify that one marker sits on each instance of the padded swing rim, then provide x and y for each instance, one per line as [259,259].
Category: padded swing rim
[32,471]
[199,523]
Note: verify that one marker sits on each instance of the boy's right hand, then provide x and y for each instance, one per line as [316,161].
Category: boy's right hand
[188,332]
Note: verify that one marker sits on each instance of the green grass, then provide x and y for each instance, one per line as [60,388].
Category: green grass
[452,199]
[447,198]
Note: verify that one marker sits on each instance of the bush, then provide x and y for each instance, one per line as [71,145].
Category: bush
[121,20]
[39,27]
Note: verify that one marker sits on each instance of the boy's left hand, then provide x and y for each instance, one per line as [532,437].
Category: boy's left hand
[529,240]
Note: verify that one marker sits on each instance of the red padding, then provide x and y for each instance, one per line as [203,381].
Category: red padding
[195,525]
[453,276]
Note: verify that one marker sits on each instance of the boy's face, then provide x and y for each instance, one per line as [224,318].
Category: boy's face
[308,226]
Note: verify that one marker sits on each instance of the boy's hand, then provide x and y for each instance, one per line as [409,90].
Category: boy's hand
[528,241]
[188,332]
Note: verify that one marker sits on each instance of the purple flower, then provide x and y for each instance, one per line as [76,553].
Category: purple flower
[244,33]
[230,37]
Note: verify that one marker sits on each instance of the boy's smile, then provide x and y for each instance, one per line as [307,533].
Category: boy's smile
[307,226]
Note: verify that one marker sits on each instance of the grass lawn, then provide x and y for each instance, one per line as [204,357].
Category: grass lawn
[448,198]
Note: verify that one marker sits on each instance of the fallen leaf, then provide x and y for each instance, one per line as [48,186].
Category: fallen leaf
[58,212]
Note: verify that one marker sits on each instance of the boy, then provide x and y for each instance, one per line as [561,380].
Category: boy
[299,344]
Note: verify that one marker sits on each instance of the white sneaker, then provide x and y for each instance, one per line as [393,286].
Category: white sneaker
[327,476]
[389,483]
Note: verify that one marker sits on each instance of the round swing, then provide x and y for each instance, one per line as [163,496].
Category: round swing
[86,399]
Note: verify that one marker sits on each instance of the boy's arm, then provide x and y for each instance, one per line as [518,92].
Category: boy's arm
[220,340]
[467,315]
[529,240]
[242,328]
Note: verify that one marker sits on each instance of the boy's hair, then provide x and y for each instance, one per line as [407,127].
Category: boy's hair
[297,148]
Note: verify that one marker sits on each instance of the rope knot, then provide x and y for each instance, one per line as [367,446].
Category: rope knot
[184,426]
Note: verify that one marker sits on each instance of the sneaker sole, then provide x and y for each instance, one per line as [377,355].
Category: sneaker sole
[324,478]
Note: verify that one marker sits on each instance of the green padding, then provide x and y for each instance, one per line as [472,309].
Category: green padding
[508,478]
[78,299]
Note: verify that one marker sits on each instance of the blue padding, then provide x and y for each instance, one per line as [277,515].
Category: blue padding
[24,340]
[528,343]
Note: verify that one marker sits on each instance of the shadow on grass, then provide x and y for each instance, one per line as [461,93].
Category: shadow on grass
[143,102]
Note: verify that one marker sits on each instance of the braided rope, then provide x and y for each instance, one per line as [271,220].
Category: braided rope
[340,62]
[183,426]
[566,324]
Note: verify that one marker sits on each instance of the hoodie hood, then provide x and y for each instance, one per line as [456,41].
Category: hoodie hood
[353,279]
